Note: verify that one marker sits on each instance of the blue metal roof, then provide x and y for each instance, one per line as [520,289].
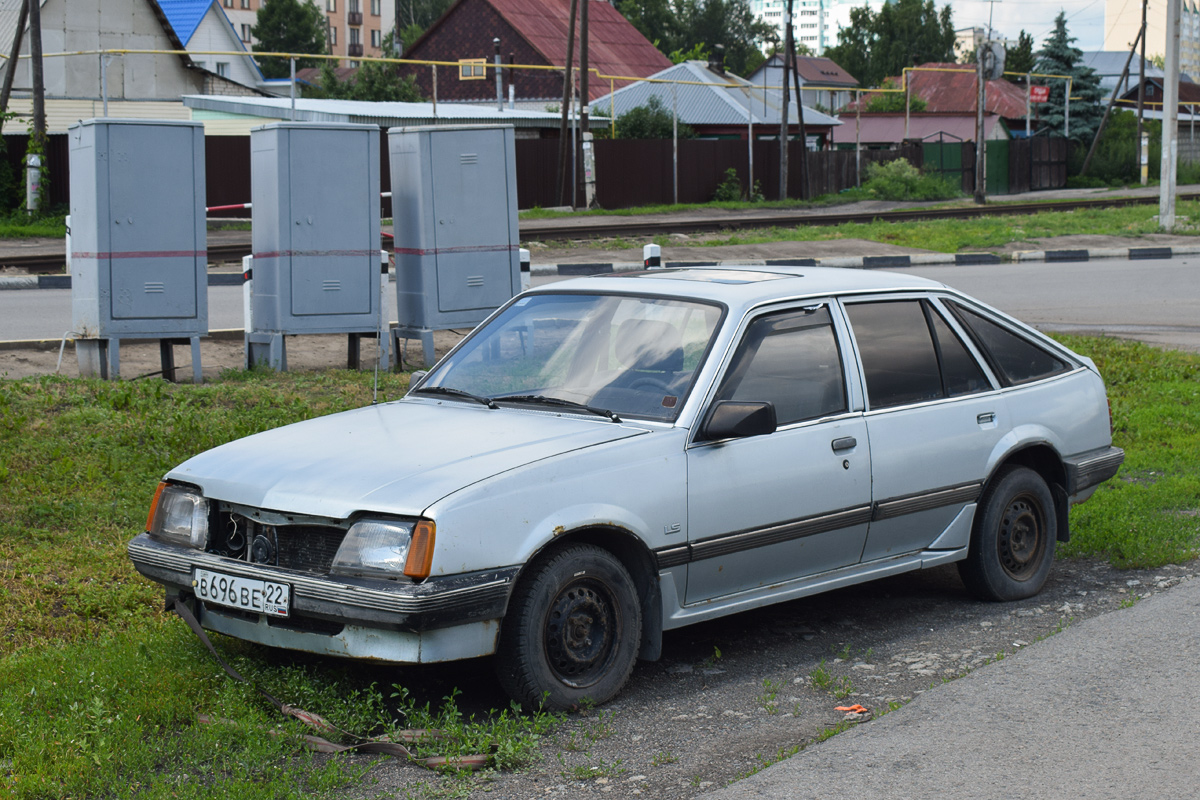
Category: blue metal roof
[185,15]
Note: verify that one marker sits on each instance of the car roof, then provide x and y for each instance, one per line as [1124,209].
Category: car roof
[746,286]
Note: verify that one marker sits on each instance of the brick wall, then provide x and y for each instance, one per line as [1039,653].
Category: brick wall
[467,33]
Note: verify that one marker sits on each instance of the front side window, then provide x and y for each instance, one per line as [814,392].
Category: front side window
[792,361]
[1015,359]
[633,355]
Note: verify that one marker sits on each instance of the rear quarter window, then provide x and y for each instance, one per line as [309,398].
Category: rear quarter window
[1014,358]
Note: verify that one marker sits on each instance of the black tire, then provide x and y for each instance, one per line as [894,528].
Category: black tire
[572,631]
[1012,541]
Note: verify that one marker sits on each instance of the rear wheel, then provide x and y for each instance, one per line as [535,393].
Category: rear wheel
[572,631]
[1012,541]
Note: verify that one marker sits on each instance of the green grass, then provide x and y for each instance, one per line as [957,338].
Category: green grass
[19,225]
[101,692]
[1149,515]
[958,235]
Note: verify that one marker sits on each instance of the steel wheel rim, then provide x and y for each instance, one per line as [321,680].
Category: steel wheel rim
[581,633]
[1021,539]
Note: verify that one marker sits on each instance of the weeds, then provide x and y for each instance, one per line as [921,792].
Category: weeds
[663,757]
[767,700]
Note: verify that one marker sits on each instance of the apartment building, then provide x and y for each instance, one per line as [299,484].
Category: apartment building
[355,27]
[811,26]
[1122,19]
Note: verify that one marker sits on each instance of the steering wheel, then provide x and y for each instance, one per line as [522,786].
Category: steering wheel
[647,381]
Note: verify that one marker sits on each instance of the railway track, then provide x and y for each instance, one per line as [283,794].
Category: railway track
[584,228]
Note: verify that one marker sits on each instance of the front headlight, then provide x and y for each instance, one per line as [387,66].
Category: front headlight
[386,548]
[179,515]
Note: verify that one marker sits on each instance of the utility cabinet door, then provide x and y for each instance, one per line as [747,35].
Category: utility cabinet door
[332,272]
[471,196]
[152,196]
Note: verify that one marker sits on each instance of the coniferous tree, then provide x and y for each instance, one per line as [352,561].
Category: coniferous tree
[1058,56]
[1020,58]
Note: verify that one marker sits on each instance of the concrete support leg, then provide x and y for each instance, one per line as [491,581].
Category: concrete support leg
[92,355]
[197,374]
[114,359]
[266,348]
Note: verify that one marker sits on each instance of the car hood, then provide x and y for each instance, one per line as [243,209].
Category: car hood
[396,458]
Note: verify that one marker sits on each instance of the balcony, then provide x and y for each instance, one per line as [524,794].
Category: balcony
[354,49]
[354,17]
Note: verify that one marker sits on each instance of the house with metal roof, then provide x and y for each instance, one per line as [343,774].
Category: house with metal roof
[1108,65]
[204,29]
[532,32]
[718,104]
[822,82]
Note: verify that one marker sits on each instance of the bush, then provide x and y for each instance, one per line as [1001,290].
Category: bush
[651,121]
[1116,161]
[730,189]
[900,180]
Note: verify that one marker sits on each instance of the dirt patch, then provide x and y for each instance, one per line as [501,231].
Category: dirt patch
[141,359]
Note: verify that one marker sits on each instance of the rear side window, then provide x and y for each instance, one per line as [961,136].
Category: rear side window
[792,361]
[1014,359]
[910,355]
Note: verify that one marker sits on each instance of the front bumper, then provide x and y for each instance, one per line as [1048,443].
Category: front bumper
[320,604]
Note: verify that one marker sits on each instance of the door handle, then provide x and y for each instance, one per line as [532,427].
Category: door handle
[986,418]
[844,443]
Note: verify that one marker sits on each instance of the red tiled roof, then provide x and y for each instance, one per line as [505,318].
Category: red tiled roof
[952,89]
[615,46]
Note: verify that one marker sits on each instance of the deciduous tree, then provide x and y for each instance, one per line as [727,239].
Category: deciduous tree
[903,33]
[288,26]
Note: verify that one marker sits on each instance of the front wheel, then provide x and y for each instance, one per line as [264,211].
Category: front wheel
[1012,541]
[572,630]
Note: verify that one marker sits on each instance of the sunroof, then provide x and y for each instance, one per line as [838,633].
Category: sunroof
[711,275]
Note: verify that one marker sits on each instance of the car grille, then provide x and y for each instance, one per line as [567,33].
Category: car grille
[304,548]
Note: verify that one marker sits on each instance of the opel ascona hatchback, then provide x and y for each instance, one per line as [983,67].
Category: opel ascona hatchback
[607,458]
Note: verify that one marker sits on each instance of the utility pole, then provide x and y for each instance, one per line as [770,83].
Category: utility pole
[39,84]
[1108,110]
[568,84]
[1170,124]
[583,68]
[789,50]
[803,131]
[1142,80]
[11,66]
[980,100]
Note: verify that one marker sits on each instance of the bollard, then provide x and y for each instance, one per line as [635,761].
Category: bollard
[652,256]
[526,274]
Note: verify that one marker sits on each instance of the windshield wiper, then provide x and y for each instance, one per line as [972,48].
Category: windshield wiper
[452,392]
[541,399]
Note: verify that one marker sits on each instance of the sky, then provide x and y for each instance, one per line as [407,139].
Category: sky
[1085,19]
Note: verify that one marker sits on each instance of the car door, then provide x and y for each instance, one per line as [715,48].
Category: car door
[795,502]
[933,419]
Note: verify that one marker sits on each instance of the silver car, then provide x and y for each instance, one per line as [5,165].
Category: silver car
[607,458]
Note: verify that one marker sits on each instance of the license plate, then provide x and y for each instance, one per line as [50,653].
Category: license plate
[248,594]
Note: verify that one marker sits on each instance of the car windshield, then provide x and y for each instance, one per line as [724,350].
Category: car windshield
[631,355]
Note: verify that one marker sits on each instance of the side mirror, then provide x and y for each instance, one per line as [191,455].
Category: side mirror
[416,378]
[731,419]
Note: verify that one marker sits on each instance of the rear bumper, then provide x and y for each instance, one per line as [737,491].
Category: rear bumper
[1090,469]
[320,604]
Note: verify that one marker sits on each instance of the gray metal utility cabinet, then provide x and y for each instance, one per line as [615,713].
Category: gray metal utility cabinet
[139,262]
[454,208]
[316,268]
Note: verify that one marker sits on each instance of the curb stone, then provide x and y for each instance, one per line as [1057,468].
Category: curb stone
[846,262]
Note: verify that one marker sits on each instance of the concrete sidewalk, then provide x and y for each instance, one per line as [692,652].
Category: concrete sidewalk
[1106,709]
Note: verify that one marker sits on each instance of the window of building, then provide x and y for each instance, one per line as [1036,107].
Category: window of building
[331,5]
[375,38]
[332,35]
[246,4]
[245,32]
[228,3]
[375,8]
[472,69]
[223,69]
[355,36]
[355,6]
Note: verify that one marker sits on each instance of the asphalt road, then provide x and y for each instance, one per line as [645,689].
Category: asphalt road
[1154,301]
